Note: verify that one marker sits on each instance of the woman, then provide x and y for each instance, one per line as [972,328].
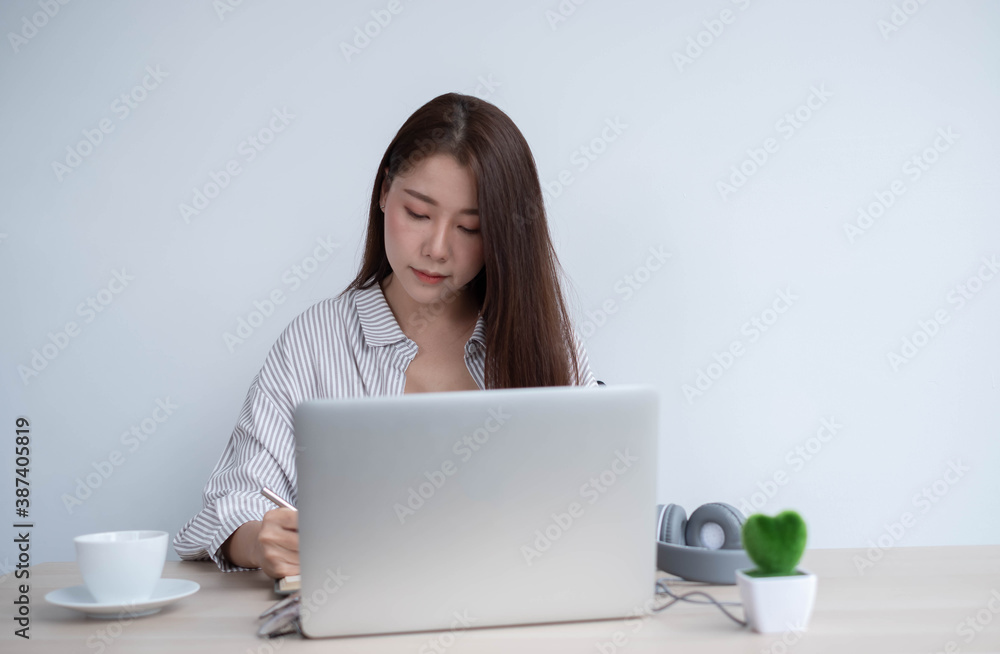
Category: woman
[458,290]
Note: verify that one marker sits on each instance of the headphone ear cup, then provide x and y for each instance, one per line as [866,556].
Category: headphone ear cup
[672,521]
[736,513]
[726,516]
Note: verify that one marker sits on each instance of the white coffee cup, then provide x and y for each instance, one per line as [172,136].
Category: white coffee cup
[121,567]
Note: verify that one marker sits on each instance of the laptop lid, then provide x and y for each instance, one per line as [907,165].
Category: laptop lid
[482,508]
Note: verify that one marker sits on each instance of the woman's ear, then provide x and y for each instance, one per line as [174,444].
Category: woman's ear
[385,189]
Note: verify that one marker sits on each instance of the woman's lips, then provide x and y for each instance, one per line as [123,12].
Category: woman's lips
[428,279]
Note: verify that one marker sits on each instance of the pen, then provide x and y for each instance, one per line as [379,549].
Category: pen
[271,495]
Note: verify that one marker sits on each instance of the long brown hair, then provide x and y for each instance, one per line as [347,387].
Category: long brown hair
[529,336]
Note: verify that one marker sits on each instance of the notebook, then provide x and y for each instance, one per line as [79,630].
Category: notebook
[288,585]
[437,511]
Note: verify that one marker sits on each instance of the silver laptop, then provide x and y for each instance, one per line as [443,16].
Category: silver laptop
[467,509]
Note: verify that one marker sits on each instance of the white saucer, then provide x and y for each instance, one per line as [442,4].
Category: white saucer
[80,599]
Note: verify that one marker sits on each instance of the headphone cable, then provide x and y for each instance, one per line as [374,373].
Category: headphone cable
[662,589]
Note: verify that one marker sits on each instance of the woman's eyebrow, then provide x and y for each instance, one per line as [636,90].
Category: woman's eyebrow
[431,201]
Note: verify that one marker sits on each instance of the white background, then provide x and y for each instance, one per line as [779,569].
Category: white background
[887,92]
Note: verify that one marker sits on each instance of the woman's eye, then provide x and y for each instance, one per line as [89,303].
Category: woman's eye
[417,216]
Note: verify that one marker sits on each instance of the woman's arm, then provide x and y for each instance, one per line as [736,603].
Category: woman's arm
[241,547]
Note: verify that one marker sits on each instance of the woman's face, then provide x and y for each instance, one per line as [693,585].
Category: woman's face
[432,226]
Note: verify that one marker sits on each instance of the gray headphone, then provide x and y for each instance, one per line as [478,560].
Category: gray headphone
[683,547]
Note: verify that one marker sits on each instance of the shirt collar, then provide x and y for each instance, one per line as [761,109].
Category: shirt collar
[380,327]
[479,333]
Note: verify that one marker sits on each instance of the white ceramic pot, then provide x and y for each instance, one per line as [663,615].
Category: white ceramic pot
[774,604]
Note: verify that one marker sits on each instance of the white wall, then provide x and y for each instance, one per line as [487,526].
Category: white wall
[879,98]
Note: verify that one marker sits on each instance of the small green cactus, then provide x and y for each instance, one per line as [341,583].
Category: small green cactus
[774,544]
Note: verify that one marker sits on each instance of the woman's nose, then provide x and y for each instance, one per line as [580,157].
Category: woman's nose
[437,241]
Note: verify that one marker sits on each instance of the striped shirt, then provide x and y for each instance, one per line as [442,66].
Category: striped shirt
[343,347]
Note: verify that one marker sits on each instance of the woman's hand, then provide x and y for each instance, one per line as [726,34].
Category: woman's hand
[278,543]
